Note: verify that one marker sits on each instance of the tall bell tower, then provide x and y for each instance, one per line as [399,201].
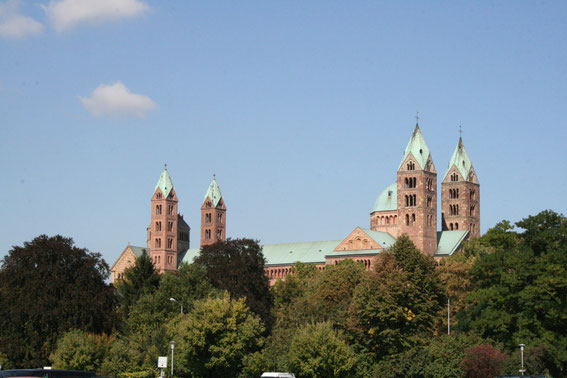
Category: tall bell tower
[417,194]
[162,235]
[213,216]
[460,194]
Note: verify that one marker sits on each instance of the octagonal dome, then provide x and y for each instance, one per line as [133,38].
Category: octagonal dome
[387,200]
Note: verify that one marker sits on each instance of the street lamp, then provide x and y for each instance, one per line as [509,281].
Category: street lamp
[522,370]
[172,343]
[175,300]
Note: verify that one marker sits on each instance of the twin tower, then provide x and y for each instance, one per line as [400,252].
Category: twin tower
[168,233]
[410,205]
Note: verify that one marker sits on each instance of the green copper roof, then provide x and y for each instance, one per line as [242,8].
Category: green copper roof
[164,183]
[384,239]
[418,148]
[138,251]
[213,193]
[387,200]
[306,252]
[460,159]
[449,241]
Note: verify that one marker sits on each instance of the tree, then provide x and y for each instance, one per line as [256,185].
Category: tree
[48,287]
[78,350]
[237,266]
[140,279]
[544,232]
[318,350]
[396,304]
[214,337]
[483,361]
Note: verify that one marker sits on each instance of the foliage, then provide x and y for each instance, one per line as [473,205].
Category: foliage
[520,295]
[214,337]
[318,350]
[500,236]
[546,231]
[78,350]
[536,360]
[396,304]
[237,266]
[48,287]
[438,357]
[482,361]
[140,279]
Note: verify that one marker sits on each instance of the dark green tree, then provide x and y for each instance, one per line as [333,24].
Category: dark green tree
[237,266]
[544,232]
[48,287]
[140,279]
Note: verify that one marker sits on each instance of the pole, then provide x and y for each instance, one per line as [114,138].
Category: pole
[522,370]
[172,343]
[448,316]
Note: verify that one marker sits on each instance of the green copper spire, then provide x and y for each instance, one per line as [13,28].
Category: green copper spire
[460,159]
[213,193]
[417,147]
[164,182]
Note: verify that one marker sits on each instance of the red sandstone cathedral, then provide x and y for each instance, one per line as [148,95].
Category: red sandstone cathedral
[407,206]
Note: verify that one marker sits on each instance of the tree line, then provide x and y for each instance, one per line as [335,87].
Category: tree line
[506,288]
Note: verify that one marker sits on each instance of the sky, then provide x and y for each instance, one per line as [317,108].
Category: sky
[302,110]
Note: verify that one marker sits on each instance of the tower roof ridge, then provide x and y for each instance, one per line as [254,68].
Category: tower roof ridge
[213,193]
[461,160]
[164,182]
[417,147]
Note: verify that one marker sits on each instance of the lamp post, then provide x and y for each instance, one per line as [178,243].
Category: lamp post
[522,370]
[175,300]
[172,343]
[448,316]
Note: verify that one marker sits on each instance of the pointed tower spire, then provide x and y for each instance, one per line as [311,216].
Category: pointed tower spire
[460,194]
[163,229]
[417,194]
[213,215]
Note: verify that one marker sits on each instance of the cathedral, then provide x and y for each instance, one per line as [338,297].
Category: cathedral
[408,206]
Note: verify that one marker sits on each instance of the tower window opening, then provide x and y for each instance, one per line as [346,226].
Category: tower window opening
[158,209]
[429,200]
[407,219]
[219,218]
[169,243]
[472,210]
[207,234]
[158,243]
[451,226]
[411,166]
[158,226]
[413,219]
[208,217]
[454,177]
[170,210]
[219,234]
[169,226]
[472,194]
[456,226]
[158,196]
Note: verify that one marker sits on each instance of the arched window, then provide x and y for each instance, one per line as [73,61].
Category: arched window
[169,226]
[456,226]
[169,243]
[407,219]
[472,210]
[454,177]
[407,201]
[411,166]
[451,226]
[395,219]
[158,196]
[429,201]
[158,226]
[472,193]
[158,243]
[170,209]
[219,234]
[412,219]
[406,183]
[158,209]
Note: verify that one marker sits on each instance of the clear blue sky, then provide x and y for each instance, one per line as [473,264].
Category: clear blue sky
[302,109]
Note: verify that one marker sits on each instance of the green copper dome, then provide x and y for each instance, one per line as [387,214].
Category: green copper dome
[387,200]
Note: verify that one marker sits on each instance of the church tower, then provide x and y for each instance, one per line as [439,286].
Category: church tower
[417,194]
[460,194]
[162,233]
[213,216]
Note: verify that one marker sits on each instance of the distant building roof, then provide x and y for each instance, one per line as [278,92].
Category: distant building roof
[387,200]
[418,148]
[164,183]
[213,193]
[449,241]
[460,159]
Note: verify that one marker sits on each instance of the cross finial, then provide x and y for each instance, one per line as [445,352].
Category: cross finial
[214,176]
[165,166]
[416,118]
[460,131]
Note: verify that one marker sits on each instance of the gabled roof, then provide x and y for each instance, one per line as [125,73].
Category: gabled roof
[306,252]
[449,241]
[384,239]
[460,160]
[138,251]
[418,148]
[387,200]
[213,193]
[164,183]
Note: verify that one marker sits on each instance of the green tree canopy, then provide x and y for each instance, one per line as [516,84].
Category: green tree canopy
[140,279]
[398,302]
[237,266]
[214,337]
[48,287]
[78,350]
[319,351]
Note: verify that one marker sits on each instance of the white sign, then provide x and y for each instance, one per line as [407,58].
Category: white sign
[162,362]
